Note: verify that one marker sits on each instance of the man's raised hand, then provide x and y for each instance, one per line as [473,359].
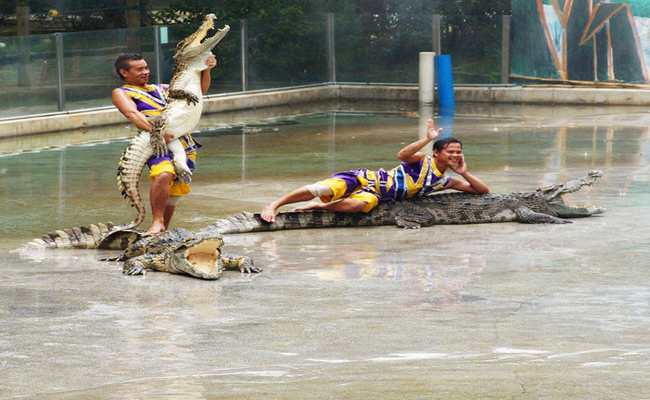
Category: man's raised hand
[432,132]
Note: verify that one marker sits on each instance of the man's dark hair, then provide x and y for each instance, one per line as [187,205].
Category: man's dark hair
[442,144]
[122,62]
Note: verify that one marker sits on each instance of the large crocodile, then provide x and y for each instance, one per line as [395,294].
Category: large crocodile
[179,251]
[540,206]
[178,118]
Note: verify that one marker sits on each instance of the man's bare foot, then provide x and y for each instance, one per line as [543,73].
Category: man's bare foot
[268,213]
[155,229]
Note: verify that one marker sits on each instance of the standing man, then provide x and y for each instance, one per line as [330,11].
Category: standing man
[138,100]
[362,190]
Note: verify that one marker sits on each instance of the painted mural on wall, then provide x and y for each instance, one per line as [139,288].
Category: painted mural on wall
[581,41]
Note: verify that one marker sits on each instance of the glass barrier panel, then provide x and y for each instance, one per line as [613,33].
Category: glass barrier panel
[475,46]
[88,58]
[280,52]
[381,49]
[28,75]
[285,52]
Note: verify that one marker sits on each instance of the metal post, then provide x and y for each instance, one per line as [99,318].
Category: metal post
[331,54]
[505,50]
[22,20]
[22,27]
[436,30]
[157,50]
[133,14]
[58,37]
[244,54]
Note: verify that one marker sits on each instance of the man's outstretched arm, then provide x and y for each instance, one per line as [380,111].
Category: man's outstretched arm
[410,154]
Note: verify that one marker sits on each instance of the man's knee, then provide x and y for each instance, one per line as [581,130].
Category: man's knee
[164,177]
[320,190]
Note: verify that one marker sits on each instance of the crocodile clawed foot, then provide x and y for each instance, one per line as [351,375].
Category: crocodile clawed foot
[183,173]
[249,268]
[180,94]
[133,268]
[407,224]
[254,270]
[184,176]
[159,148]
[192,100]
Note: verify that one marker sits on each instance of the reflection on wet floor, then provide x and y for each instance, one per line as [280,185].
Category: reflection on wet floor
[471,311]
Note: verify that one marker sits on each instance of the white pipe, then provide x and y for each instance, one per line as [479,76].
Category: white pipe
[427,77]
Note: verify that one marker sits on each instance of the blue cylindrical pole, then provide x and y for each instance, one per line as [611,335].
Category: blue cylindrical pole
[445,81]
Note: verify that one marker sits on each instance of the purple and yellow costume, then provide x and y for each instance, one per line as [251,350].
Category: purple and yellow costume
[150,101]
[382,187]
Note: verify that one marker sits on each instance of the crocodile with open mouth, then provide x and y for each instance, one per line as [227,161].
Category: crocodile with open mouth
[179,251]
[178,118]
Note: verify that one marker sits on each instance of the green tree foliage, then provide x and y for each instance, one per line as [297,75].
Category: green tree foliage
[448,7]
[194,10]
[77,15]
[282,37]
[81,15]
[8,7]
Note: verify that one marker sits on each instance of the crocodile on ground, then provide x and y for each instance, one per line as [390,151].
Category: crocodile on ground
[179,117]
[540,206]
[179,251]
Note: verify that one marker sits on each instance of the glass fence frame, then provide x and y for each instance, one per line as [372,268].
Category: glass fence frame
[70,72]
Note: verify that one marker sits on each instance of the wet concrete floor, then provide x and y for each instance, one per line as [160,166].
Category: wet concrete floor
[475,311]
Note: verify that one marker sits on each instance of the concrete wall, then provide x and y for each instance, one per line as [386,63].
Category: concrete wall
[272,98]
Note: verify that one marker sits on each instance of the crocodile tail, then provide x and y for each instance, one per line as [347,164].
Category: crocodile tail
[249,222]
[94,236]
[85,237]
[129,170]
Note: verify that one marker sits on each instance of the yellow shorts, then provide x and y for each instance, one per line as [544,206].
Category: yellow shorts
[341,189]
[176,188]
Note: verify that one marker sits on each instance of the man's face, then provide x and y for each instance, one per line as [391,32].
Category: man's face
[137,74]
[450,155]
